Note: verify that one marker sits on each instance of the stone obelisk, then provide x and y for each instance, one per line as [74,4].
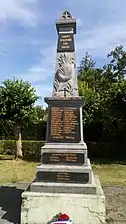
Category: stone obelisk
[64,156]
[65,81]
[64,180]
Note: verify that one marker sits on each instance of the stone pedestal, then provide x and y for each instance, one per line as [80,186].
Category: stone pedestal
[85,208]
[64,156]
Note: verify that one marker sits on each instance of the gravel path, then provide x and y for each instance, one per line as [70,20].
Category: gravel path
[10,204]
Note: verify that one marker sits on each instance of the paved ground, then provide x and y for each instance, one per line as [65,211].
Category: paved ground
[10,204]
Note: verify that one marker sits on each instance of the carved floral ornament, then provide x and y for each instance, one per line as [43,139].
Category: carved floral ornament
[64,73]
[65,70]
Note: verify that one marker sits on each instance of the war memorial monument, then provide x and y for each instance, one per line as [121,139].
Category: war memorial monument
[64,180]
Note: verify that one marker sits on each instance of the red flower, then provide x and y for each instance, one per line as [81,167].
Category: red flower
[64,217]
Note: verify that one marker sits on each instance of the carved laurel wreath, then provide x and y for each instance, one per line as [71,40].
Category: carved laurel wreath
[64,72]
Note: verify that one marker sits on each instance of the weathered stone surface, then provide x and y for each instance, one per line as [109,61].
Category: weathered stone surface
[66,147]
[63,188]
[41,207]
[10,209]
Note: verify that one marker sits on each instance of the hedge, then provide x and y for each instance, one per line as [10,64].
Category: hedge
[101,149]
[30,148]
[33,148]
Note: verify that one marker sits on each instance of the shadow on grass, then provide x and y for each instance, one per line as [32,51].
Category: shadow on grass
[108,161]
[27,159]
[10,203]
[7,157]
[31,159]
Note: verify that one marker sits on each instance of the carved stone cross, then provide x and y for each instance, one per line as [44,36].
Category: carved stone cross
[65,92]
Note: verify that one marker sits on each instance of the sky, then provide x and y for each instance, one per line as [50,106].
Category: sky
[28,37]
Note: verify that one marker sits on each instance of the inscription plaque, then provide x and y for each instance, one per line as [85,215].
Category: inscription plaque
[65,43]
[63,158]
[64,124]
[63,177]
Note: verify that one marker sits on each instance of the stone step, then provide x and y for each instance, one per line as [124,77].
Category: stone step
[64,173]
[65,146]
[69,188]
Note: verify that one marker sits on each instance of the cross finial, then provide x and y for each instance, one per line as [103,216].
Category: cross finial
[66,15]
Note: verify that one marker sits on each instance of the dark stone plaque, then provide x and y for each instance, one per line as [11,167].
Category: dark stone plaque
[65,43]
[63,177]
[64,124]
[63,158]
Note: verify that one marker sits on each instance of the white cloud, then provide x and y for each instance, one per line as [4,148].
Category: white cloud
[100,28]
[38,69]
[101,40]
[21,10]
[41,75]
[37,75]
[44,70]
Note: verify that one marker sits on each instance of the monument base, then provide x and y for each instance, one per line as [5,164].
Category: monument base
[65,174]
[82,208]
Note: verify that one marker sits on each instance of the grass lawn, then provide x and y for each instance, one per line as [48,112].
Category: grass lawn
[14,171]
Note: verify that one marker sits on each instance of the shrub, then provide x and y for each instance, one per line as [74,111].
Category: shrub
[7,147]
[101,149]
[33,148]
[30,148]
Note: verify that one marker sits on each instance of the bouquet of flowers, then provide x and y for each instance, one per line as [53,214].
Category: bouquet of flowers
[60,218]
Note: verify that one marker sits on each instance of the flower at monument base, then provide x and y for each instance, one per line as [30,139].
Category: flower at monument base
[60,218]
[64,217]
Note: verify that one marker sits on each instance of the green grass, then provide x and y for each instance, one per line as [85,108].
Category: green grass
[14,171]
[111,174]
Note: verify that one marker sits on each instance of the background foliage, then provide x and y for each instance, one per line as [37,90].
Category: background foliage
[104,114]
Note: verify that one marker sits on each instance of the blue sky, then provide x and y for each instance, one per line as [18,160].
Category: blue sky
[28,36]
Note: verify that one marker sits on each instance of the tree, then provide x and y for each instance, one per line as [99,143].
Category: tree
[89,82]
[17,99]
[86,64]
[92,102]
[88,73]
[38,115]
[36,128]
[104,91]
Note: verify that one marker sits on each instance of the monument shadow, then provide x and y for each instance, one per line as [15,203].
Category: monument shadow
[10,203]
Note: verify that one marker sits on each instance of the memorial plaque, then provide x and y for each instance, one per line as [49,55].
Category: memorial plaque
[65,43]
[63,158]
[63,177]
[64,124]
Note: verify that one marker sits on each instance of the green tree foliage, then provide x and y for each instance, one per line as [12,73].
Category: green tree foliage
[104,92]
[38,114]
[17,99]
[35,129]
[89,82]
